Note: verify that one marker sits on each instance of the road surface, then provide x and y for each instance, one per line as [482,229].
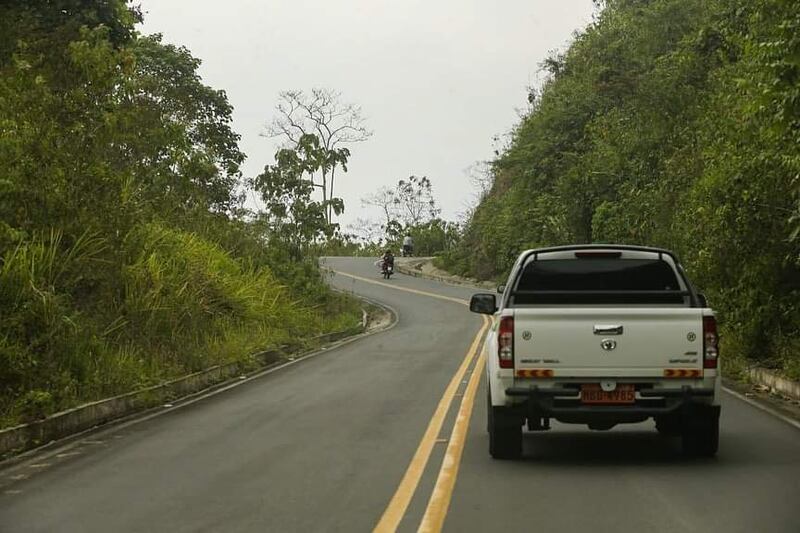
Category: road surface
[389,431]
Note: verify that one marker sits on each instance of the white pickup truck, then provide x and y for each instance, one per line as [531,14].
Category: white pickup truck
[600,335]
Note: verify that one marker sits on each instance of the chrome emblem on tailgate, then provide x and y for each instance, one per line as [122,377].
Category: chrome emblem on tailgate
[608,344]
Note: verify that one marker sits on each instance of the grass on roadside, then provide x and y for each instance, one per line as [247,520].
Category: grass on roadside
[83,321]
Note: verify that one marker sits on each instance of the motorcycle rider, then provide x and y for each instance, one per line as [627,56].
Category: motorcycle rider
[388,259]
[408,246]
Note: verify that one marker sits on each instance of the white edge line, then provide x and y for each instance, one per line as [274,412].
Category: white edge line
[69,442]
[759,405]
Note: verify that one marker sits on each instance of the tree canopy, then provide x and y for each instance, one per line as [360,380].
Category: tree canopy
[126,255]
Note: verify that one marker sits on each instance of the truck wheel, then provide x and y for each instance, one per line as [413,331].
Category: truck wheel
[505,434]
[701,436]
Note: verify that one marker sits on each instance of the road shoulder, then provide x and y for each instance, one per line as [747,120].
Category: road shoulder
[781,407]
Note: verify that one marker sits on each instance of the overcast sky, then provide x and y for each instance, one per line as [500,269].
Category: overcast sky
[437,79]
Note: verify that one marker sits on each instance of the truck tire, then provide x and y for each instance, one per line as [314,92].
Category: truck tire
[700,435]
[505,433]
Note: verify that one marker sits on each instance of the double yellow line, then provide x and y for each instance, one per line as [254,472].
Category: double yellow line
[439,502]
[440,498]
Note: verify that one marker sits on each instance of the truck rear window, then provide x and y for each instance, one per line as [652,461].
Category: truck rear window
[598,280]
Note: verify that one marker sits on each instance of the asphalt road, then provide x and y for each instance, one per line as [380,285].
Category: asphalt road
[349,439]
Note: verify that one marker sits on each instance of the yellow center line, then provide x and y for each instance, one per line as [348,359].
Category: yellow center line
[408,485]
[440,498]
[435,513]
[405,289]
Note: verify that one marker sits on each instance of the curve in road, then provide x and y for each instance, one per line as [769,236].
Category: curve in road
[326,445]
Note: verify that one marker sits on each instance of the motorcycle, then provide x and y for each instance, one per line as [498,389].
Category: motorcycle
[387,269]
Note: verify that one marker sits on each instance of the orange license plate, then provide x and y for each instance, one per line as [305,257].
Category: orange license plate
[592,393]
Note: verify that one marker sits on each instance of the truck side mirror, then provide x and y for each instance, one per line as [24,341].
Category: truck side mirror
[484,303]
[501,289]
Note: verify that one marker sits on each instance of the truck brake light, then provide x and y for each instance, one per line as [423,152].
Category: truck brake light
[598,255]
[710,342]
[505,342]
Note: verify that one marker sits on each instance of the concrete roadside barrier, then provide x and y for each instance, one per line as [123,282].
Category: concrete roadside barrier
[72,421]
[421,267]
[777,384]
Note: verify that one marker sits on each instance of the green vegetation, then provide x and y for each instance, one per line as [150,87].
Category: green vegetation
[320,117]
[125,255]
[672,123]
[409,208]
[286,188]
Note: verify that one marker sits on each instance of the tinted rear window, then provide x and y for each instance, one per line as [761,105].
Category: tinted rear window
[599,274]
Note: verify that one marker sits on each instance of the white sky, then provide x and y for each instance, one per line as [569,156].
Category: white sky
[436,79]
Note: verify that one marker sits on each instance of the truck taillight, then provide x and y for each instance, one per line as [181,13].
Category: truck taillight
[710,342]
[505,342]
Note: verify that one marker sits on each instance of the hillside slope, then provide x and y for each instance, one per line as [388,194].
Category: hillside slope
[673,123]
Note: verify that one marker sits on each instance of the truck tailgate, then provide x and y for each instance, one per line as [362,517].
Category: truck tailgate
[608,341]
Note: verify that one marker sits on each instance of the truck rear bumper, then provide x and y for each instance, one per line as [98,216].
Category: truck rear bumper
[564,404]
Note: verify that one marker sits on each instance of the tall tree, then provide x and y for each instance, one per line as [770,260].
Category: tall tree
[414,200]
[323,114]
[286,189]
[182,129]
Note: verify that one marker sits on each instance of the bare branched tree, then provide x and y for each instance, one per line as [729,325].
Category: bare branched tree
[415,201]
[481,177]
[383,199]
[321,113]
[367,231]
[408,204]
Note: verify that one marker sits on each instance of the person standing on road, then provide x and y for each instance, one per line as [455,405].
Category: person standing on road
[408,245]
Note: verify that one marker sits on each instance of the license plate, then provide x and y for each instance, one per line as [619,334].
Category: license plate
[592,393]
